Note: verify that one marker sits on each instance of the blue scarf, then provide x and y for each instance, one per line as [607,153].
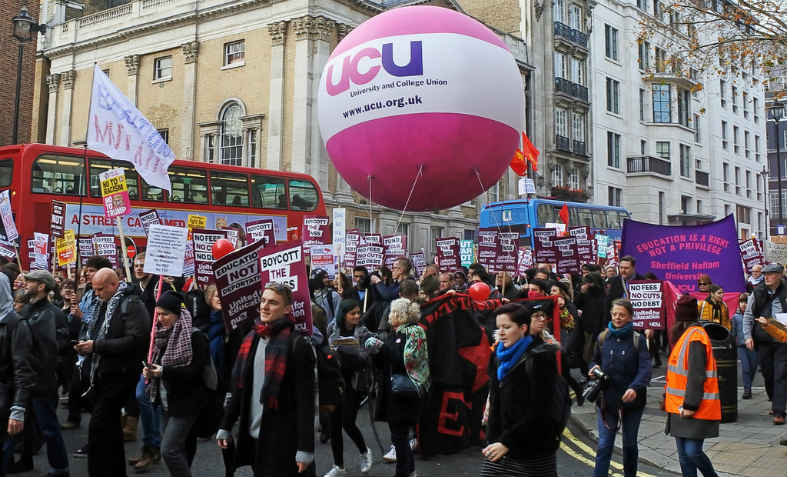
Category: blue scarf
[619,332]
[508,357]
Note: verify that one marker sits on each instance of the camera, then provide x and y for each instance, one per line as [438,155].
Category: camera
[597,383]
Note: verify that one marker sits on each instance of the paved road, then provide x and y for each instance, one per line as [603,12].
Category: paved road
[575,458]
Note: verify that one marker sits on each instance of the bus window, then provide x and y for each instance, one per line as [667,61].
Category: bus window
[189,186]
[268,192]
[546,214]
[229,189]
[600,219]
[584,217]
[612,220]
[621,217]
[53,174]
[6,172]
[97,166]
[303,195]
[150,192]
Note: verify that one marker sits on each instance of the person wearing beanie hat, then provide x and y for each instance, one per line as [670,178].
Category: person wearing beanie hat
[175,382]
[692,399]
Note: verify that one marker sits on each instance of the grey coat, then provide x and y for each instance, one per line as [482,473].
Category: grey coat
[687,427]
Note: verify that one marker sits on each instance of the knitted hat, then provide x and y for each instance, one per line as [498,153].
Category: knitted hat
[171,302]
[687,308]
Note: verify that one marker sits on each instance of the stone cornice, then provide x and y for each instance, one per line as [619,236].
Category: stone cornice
[132,64]
[278,32]
[314,28]
[53,81]
[68,79]
[190,51]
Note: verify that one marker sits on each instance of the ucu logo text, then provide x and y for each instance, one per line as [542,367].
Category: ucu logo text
[350,64]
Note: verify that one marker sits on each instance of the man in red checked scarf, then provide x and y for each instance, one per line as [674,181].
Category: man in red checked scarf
[273,393]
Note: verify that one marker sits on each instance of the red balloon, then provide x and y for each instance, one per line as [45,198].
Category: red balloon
[479,291]
[220,248]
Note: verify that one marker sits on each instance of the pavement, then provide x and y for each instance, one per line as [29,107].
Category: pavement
[748,447]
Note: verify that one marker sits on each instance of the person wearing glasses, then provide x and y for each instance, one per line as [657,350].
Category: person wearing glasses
[273,393]
[704,283]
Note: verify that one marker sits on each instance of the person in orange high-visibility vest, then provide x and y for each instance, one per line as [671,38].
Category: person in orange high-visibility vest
[692,395]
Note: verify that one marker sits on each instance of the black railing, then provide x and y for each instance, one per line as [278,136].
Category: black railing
[653,164]
[702,178]
[562,143]
[575,36]
[572,89]
[579,147]
[580,91]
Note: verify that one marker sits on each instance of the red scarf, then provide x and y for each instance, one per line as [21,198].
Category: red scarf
[276,351]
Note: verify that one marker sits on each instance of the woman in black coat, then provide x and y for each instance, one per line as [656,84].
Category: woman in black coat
[180,355]
[522,433]
[593,303]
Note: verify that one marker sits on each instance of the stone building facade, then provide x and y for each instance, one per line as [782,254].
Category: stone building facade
[234,83]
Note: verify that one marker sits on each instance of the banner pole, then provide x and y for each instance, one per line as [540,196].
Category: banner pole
[155,320]
[123,249]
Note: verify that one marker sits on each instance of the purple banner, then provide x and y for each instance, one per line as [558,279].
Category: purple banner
[681,253]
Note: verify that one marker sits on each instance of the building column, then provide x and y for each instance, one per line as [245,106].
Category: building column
[53,81]
[325,31]
[343,188]
[64,138]
[300,160]
[132,68]
[190,52]
[278,32]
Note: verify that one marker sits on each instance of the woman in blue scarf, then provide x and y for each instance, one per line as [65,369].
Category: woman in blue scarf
[621,353]
[522,436]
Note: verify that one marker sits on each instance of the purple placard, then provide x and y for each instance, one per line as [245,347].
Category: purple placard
[369,256]
[506,260]
[418,262]
[545,250]
[203,240]
[261,230]
[488,249]
[284,263]
[149,217]
[237,276]
[315,231]
[394,246]
[646,299]
[682,253]
[525,260]
[448,254]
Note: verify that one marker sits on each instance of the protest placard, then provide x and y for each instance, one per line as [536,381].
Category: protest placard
[322,256]
[545,250]
[352,241]
[86,248]
[7,249]
[601,245]
[372,239]
[506,259]
[40,251]
[149,217]
[238,281]
[66,248]
[467,252]
[524,260]
[394,246]
[369,256]
[646,299]
[57,221]
[568,259]
[339,215]
[188,259]
[285,264]
[7,216]
[166,250]
[751,253]
[263,229]
[202,241]
[448,253]
[104,245]
[314,231]
[115,193]
[196,221]
[419,263]
[232,236]
[488,249]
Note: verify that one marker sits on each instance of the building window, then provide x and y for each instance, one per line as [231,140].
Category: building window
[734,97]
[643,147]
[642,101]
[612,96]
[435,233]
[231,138]
[466,234]
[234,53]
[724,127]
[661,199]
[573,178]
[737,179]
[613,150]
[726,173]
[696,119]
[557,175]
[251,147]
[735,139]
[744,104]
[576,17]
[776,209]
[657,10]
[611,42]
[578,71]
[643,50]
[210,148]
[642,5]
[747,144]
[722,93]
[758,148]
[362,224]
[558,11]
[659,59]
[162,68]
[742,214]
[614,196]
[561,65]
[165,134]
[686,160]
[684,107]
[579,127]
[699,206]
[404,230]
[660,100]
[685,204]
[663,149]
[748,183]
[755,110]
[561,124]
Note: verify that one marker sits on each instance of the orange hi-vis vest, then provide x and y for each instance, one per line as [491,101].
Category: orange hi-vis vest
[678,366]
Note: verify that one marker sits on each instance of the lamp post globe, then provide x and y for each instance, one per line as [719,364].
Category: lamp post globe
[23,26]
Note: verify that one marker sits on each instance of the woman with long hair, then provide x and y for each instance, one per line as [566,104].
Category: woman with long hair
[571,339]
[348,338]
[713,308]
[344,286]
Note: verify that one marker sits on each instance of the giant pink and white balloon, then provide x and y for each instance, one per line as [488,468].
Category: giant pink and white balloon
[421,88]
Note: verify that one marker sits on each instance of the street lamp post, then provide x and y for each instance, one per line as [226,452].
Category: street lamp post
[23,28]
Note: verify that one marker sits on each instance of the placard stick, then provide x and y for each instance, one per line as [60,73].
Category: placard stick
[155,320]
[123,249]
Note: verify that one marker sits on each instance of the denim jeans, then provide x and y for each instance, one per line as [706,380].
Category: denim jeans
[179,444]
[46,417]
[150,417]
[630,423]
[692,458]
[749,365]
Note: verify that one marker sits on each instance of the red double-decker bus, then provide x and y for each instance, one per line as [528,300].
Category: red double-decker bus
[36,174]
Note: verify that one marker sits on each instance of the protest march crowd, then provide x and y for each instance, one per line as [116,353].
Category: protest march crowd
[388,339]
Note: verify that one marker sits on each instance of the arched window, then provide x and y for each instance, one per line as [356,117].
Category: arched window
[231,137]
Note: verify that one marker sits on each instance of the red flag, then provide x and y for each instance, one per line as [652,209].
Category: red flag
[530,152]
[518,163]
[564,214]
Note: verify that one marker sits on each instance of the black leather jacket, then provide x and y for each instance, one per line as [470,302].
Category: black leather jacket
[16,374]
[125,345]
[49,336]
